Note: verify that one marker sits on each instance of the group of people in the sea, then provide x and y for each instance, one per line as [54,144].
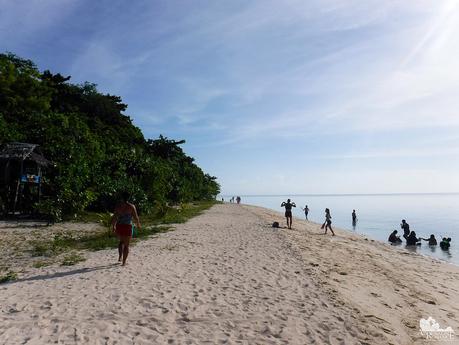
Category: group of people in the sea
[412,239]
[409,236]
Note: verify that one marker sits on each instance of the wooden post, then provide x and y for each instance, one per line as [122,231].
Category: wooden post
[5,190]
[19,183]
[39,183]
[16,195]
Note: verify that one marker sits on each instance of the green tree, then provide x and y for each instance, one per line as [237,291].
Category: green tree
[96,149]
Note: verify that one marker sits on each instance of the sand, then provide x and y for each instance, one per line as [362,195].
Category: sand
[227,277]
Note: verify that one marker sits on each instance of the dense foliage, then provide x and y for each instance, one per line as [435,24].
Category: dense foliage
[95,148]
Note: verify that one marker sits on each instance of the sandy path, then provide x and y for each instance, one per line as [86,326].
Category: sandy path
[224,277]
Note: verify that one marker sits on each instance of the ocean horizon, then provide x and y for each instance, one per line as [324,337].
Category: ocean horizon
[334,194]
[378,214]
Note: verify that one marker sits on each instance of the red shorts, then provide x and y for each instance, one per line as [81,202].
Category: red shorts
[124,230]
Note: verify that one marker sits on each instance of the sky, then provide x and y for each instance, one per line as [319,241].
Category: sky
[272,97]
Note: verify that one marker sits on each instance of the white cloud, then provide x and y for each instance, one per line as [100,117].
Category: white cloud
[257,73]
[26,19]
[99,63]
[419,92]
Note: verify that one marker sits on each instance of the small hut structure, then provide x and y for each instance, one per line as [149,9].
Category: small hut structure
[21,169]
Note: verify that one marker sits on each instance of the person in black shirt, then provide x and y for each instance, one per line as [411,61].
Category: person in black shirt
[288,211]
[412,240]
[406,229]
[393,238]
[432,240]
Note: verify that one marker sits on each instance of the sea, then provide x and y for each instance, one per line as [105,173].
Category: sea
[379,214]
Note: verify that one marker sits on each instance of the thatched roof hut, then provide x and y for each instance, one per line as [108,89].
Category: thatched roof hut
[23,151]
[21,168]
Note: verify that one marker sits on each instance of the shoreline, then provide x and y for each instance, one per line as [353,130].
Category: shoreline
[331,194]
[364,237]
[378,220]
[399,269]
[226,276]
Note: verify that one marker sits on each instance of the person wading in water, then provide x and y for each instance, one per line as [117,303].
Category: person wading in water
[306,211]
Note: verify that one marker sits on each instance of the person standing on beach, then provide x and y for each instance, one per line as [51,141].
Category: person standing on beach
[306,211]
[238,199]
[406,229]
[354,217]
[328,222]
[288,211]
[122,225]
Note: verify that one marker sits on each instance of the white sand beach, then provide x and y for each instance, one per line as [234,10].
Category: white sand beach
[228,277]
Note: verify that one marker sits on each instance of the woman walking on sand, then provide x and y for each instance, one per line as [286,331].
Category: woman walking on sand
[122,225]
[328,222]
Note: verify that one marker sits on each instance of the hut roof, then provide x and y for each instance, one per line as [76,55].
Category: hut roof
[24,151]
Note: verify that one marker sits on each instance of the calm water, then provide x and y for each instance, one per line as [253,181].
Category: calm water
[379,215]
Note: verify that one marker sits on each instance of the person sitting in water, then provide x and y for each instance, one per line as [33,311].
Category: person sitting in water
[412,240]
[406,229]
[445,243]
[432,240]
[393,238]
[288,211]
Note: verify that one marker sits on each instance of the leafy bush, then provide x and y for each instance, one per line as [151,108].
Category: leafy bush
[10,276]
[41,263]
[49,209]
[72,259]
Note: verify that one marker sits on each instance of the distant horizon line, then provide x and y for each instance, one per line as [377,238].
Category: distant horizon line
[337,194]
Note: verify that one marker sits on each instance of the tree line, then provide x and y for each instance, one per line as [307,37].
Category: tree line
[96,150]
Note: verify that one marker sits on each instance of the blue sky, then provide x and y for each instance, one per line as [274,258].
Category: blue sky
[272,97]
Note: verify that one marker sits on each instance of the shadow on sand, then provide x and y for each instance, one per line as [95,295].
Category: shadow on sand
[64,274]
